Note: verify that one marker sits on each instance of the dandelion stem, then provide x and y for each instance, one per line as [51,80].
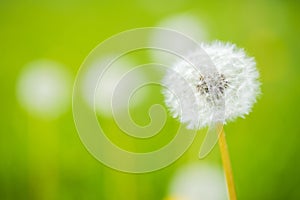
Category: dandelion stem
[227,165]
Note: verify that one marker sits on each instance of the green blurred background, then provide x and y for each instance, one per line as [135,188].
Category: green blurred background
[44,158]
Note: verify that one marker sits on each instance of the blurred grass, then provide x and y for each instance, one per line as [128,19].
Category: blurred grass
[43,159]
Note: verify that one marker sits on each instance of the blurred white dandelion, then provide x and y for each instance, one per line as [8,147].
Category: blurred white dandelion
[198,182]
[194,98]
[44,88]
[98,89]
[187,24]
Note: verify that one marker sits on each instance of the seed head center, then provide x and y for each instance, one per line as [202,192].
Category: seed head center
[212,86]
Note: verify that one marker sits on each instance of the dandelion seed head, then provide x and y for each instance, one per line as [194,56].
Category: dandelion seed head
[199,97]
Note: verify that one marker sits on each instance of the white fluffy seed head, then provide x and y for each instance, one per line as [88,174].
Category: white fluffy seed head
[223,94]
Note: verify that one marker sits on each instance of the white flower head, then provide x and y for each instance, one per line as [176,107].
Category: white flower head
[200,96]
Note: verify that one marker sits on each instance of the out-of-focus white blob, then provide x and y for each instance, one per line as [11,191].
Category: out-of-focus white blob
[198,182]
[186,24]
[44,88]
[99,89]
